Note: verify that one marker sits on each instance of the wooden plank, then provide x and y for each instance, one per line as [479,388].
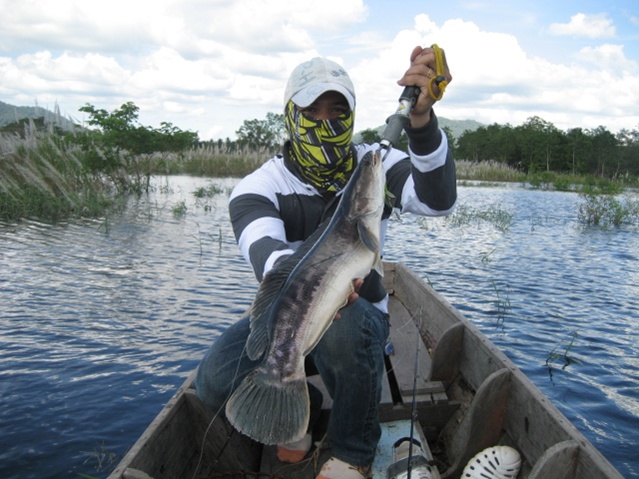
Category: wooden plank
[407,343]
[482,426]
[558,462]
[388,279]
[433,314]
[434,409]
[446,354]
[165,445]
[536,425]
[220,447]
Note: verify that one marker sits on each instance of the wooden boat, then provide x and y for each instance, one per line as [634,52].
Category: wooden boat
[467,394]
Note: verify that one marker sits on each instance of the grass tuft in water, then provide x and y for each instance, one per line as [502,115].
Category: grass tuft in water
[502,303]
[101,458]
[180,209]
[495,215]
[557,355]
[606,211]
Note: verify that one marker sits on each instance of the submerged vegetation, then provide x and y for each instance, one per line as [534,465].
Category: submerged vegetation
[50,173]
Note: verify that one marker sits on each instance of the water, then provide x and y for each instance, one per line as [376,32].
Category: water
[100,321]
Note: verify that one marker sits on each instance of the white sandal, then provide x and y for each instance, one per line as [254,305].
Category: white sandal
[498,462]
[337,469]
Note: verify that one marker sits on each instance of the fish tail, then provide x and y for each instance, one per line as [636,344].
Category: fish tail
[270,412]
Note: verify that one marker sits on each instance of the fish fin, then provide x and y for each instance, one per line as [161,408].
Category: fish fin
[260,313]
[262,308]
[367,237]
[268,412]
[258,339]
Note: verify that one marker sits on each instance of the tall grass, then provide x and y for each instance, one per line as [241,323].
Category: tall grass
[210,160]
[488,171]
[606,211]
[50,176]
[42,177]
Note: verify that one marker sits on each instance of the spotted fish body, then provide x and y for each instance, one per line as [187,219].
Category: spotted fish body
[297,302]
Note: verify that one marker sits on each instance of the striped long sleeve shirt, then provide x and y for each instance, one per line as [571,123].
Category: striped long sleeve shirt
[273,210]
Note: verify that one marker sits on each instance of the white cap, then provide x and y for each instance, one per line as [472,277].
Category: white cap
[314,77]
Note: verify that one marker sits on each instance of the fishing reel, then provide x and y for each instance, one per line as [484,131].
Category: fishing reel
[412,459]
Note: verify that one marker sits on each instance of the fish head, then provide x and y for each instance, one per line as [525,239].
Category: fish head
[369,182]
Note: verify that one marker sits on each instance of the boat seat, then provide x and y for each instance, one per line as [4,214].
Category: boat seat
[409,353]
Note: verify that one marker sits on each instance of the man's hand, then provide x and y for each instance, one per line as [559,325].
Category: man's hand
[357,283]
[423,67]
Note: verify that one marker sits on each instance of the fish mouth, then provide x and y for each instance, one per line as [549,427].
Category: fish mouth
[372,158]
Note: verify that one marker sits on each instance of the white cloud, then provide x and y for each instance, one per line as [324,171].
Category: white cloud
[208,65]
[608,57]
[496,81]
[582,25]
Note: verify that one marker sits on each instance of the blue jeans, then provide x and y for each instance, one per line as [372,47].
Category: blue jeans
[350,360]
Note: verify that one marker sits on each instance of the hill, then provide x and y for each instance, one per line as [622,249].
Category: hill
[456,127]
[11,114]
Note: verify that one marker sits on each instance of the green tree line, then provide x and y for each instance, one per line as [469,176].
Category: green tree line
[538,146]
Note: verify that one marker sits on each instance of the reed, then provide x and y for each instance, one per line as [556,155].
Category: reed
[211,160]
[51,176]
[491,171]
[491,214]
[606,211]
[556,354]
[43,177]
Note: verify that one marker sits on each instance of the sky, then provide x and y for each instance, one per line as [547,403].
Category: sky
[209,65]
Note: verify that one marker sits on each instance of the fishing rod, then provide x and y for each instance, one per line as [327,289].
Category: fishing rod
[396,123]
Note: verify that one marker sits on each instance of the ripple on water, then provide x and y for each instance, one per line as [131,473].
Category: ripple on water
[102,319]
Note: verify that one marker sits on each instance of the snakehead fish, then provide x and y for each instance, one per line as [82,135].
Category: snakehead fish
[297,302]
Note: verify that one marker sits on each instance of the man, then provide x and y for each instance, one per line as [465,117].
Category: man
[274,209]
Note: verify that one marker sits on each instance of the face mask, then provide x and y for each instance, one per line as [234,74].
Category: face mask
[321,149]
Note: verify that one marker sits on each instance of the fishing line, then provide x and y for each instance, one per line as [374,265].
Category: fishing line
[413,414]
[217,413]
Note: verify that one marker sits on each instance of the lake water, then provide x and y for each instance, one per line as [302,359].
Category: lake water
[100,321]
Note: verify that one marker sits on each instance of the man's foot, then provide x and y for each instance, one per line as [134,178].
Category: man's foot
[336,469]
[294,452]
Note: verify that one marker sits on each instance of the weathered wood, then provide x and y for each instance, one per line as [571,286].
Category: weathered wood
[434,409]
[482,426]
[153,454]
[407,344]
[558,462]
[388,279]
[445,364]
[432,313]
[486,400]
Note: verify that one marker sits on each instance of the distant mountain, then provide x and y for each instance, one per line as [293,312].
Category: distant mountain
[456,127]
[11,114]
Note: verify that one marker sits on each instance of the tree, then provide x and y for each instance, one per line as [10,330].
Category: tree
[579,147]
[116,147]
[121,130]
[604,145]
[267,133]
[370,136]
[628,156]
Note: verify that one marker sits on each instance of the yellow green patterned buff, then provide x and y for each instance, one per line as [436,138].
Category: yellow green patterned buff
[321,149]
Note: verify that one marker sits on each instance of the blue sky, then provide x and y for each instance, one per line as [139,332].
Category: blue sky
[208,65]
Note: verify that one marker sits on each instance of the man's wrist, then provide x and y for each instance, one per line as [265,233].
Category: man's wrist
[425,139]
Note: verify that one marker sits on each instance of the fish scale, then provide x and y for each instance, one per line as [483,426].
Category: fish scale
[297,302]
